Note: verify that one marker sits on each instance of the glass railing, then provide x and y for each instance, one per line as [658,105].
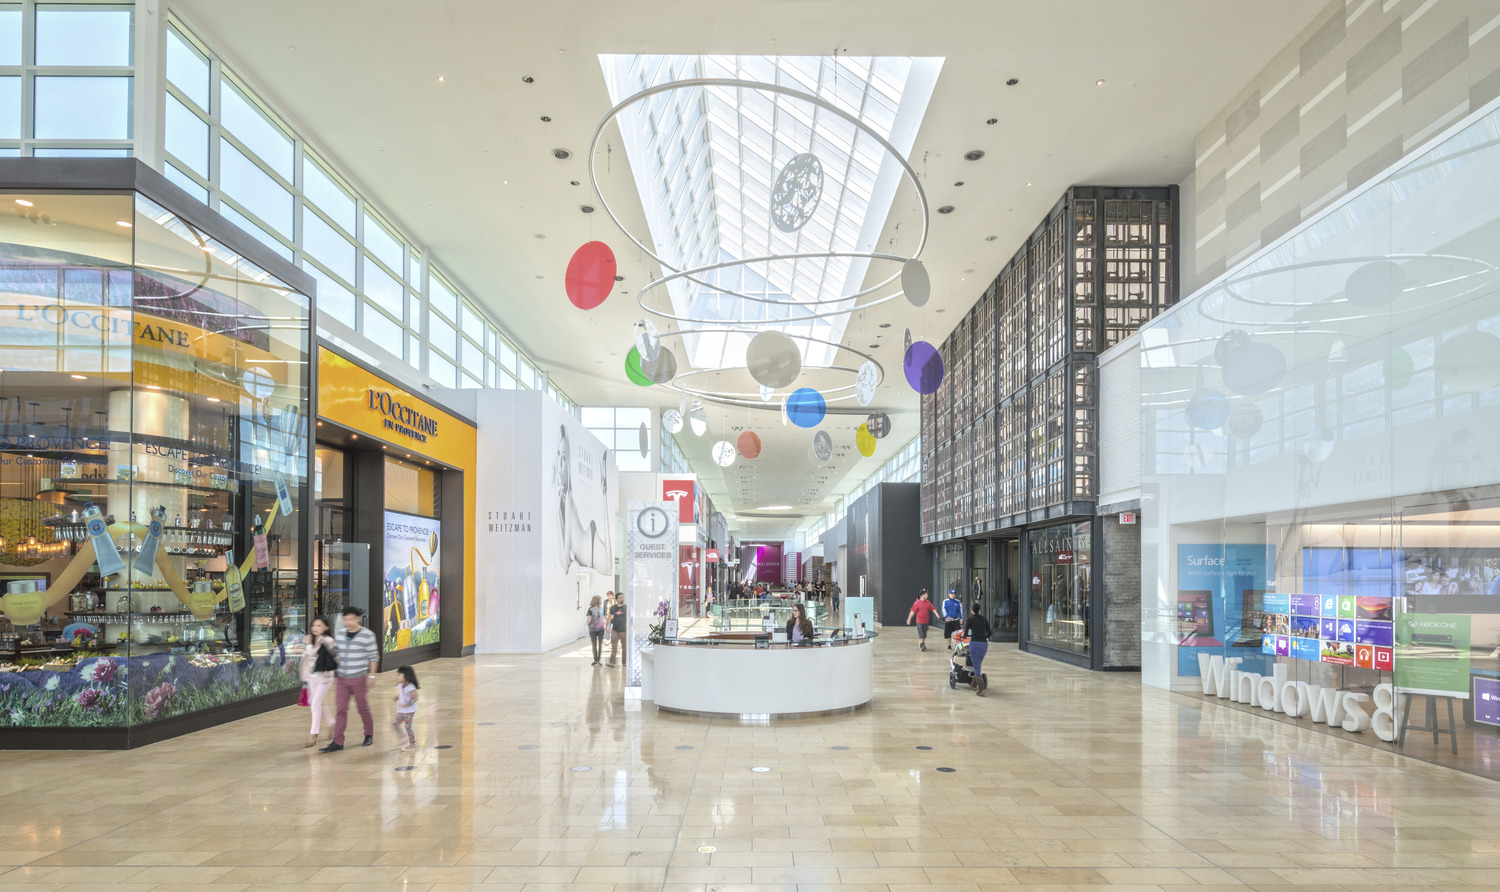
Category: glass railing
[824,637]
[749,615]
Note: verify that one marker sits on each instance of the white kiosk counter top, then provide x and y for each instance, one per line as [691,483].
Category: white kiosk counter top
[734,678]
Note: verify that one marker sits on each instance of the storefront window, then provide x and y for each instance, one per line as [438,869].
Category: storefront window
[1061,585]
[950,570]
[1320,432]
[153,422]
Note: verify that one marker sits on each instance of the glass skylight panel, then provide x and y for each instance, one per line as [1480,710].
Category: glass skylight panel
[739,140]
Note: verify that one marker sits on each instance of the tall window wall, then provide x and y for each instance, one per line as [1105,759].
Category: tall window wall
[67,79]
[620,430]
[230,150]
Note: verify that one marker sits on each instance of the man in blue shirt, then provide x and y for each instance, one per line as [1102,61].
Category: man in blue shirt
[953,616]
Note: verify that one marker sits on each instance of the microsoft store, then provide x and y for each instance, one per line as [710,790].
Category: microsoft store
[1319,438]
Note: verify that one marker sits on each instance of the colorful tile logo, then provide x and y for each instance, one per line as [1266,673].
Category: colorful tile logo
[1378,634]
[1385,659]
[1328,628]
[1330,605]
[1346,606]
[1346,629]
[1306,648]
[1283,646]
[1364,656]
[1268,644]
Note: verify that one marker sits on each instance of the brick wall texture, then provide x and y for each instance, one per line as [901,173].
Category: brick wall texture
[1122,594]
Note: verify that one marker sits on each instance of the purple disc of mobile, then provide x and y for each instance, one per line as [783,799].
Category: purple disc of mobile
[923,367]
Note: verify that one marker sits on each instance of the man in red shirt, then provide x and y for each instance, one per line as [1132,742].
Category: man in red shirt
[922,613]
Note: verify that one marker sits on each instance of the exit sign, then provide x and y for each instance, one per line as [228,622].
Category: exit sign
[1127,517]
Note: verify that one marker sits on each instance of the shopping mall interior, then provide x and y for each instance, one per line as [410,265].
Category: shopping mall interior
[454,445]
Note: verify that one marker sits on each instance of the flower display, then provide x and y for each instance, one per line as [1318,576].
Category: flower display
[157,697]
[103,672]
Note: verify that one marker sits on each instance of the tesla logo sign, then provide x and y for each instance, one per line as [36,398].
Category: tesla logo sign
[682,492]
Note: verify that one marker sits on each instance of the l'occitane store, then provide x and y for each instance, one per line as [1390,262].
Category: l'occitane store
[187,478]
[393,489]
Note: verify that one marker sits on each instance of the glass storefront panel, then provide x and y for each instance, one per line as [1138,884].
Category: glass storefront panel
[950,570]
[1061,584]
[155,404]
[1319,433]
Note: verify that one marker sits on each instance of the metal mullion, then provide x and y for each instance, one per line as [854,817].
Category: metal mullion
[214,130]
[28,75]
[256,159]
[176,93]
[268,229]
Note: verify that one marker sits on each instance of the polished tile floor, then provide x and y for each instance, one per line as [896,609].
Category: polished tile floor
[1062,779]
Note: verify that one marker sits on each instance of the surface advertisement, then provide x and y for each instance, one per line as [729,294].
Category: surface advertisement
[1220,589]
[410,600]
[1432,654]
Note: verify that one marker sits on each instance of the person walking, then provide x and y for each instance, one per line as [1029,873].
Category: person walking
[977,628]
[837,594]
[318,665]
[922,612]
[406,705]
[596,623]
[953,617]
[617,620]
[359,660]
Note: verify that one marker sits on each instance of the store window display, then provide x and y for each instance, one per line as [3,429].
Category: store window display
[153,421]
[1320,431]
[1061,586]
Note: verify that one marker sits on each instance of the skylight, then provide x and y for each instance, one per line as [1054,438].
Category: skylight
[704,161]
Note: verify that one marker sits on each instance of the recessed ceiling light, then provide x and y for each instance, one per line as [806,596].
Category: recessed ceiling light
[968,272]
[79,377]
[973,155]
[885,325]
[1099,82]
[561,154]
[527,79]
[942,311]
[441,79]
[948,208]
[1028,184]
[546,119]
[23,202]
[874,346]
[125,223]
[586,208]
[990,238]
[572,182]
[619,278]
[214,399]
[959,183]
[544,235]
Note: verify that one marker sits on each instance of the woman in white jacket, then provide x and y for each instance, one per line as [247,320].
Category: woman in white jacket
[318,683]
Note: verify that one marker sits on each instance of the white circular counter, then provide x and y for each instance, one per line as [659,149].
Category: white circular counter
[742,681]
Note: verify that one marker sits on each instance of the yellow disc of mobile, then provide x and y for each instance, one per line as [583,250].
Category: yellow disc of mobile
[864,440]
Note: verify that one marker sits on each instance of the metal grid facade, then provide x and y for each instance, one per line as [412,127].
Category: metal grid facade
[1011,437]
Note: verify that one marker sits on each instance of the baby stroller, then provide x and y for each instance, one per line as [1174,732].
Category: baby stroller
[962,669]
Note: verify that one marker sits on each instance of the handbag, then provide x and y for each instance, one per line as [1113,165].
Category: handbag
[302,698]
[326,661]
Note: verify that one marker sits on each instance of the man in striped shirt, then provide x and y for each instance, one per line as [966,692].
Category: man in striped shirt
[359,660]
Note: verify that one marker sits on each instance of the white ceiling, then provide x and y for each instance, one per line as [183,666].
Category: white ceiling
[466,163]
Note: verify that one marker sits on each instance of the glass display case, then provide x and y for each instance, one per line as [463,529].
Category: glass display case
[153,430]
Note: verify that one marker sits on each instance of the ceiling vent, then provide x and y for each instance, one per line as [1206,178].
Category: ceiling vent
[564,154]
[973,155]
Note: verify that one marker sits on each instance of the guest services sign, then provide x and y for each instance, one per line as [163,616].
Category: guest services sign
[650,572]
